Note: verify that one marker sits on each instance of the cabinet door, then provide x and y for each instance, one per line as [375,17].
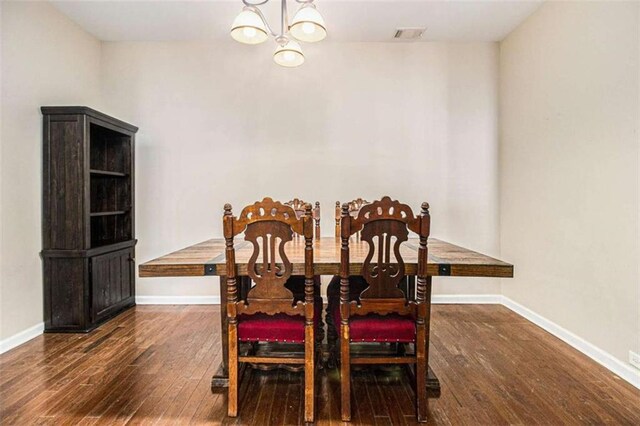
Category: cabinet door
[111,282]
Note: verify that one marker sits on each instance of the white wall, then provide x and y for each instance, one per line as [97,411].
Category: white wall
[46,60]
[569,95]
[220,122]
[1,207]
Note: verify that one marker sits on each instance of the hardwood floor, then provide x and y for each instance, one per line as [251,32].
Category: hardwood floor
[153,364]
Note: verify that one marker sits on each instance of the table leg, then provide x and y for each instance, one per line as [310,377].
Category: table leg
[433,384]
[221,378]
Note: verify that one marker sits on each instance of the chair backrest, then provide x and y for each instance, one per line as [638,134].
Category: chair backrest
[354,208]
[384,226]
[299,207]
[268,225]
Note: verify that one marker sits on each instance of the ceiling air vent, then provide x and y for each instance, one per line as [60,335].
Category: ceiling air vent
[409,33]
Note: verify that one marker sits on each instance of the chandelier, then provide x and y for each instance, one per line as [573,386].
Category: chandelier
[251,27]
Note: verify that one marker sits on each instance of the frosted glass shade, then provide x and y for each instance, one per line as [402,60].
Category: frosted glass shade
[308,25]
[249,28]
[289,55]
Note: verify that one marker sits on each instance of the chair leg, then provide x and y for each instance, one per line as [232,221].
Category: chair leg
[332,337]
[319,334]
[421,374]
[345,373]
[232,408]
[309,373]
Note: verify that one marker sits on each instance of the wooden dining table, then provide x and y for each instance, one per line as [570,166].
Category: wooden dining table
[208,259]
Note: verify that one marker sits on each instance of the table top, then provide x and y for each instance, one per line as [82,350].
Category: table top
[207,258]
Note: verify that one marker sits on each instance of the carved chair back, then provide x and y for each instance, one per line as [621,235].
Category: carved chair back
[384,226]
[268,225]
[354,207]
[299,207]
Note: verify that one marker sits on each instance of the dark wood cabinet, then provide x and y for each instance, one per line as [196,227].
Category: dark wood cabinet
[112,275]
[88,217]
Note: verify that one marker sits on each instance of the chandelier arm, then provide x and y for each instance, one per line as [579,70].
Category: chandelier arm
[258,3]
[266,24]
[284,21]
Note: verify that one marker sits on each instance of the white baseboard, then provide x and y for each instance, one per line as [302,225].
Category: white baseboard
[466,299]
[624,371]
[21,337]
[178,300]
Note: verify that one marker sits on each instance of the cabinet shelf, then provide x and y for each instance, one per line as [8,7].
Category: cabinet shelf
[107,173]
[112,213]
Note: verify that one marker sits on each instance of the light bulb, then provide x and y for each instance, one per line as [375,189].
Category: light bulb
[307,24]
[249,32]
[249,28]
[308,28]
[288,53]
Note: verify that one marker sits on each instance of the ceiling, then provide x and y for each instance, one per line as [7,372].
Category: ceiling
[347,20]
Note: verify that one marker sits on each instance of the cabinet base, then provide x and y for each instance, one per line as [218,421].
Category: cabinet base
[92,326]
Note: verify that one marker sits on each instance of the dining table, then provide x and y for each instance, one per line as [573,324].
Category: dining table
[208,259]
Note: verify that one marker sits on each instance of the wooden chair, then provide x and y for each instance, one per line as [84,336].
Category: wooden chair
[354,209]
[357,283]
[295,283]
[269,312]
[382,312]
[299,207]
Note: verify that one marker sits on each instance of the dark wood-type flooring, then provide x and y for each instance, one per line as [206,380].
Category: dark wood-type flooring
[153,365]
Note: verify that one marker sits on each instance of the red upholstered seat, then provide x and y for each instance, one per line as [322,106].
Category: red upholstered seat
[378,328]
[275,328]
